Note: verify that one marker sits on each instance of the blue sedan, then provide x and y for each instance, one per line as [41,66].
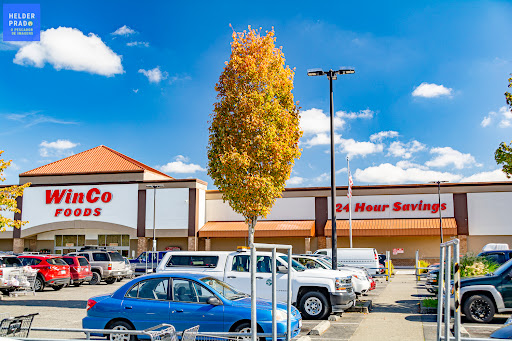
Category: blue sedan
[183,300]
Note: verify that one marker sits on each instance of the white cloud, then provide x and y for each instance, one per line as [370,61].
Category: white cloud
[34,118]
[314,121]
[354,148]
[181,165]
[343,170]
[138,44]
[154,75]
[322,177]
[487,120]
[322,139]
[387,173]
[135,90]
[59,148]
[430,90]
[496,175]
[68,48]
[447,156]
[123,31]
[294,180]
[405,150]
[177,78]
[506,120]
[367,113]
[383,135]
[404,164]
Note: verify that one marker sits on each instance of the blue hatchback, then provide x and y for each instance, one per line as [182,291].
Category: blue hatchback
[183,300]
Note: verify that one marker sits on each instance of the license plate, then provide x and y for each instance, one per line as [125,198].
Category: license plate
[63,271]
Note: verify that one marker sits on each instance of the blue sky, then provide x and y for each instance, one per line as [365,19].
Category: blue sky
[426,102]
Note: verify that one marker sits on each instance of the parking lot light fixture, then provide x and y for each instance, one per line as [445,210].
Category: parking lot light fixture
[154,215]
[332,74]
[439,200]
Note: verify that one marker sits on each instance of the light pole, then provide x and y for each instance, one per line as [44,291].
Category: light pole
[332,74]
[439,198]
[154,215]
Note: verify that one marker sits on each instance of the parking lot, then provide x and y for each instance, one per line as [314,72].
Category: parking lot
[394,316]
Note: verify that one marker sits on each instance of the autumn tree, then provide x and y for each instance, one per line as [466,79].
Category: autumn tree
[503,155]
[254,132]
[8,197]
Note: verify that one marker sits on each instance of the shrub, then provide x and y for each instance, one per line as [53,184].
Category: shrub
[429,302]
[473,265]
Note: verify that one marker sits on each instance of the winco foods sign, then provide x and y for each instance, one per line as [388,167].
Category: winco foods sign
[108,203]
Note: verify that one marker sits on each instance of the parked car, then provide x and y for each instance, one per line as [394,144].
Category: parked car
[315,292]
[484,296]
[360,280]
[53,271]
[183,300]
[127,271]
[105,265]
[497,256]
[505,332]
[147,262]
[10,266]
[79,268]
[432,282]
[366,257]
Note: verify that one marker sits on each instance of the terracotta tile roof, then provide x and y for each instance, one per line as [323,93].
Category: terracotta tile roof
[393,227]
[98,160]
[231,229]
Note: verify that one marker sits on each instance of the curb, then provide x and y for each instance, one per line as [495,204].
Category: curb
[334,317]
[320,328]
[304,338]
[361,307]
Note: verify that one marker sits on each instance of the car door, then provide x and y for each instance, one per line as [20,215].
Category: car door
[189,307]
[147,303]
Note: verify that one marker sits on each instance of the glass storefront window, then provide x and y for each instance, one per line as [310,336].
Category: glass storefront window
[102,239]
[58,240]
[126,240]
[81,240]
[69,241]
[113,240]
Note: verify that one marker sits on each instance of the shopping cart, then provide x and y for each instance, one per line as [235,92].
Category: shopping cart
[18,326]
[25,283]
[167,334]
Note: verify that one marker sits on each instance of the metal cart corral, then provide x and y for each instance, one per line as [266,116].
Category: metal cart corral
[18,326]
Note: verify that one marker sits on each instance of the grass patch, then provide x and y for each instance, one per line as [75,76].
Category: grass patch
[429,302]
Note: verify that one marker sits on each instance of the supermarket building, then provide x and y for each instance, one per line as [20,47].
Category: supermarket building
[102,197]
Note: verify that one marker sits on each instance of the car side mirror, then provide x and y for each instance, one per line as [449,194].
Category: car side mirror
[282,269]
[213,301]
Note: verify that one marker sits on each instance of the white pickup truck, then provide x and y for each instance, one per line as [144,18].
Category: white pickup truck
[315,292]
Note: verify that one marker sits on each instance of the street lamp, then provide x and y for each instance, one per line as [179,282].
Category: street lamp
[439,198]
[332,74]
[154,210]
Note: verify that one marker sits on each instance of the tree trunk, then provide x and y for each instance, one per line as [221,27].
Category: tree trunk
[254,329]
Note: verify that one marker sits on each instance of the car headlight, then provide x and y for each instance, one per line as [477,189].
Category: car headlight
[281,315]
[343,283]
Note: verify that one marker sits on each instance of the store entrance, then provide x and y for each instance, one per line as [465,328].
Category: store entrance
[68,243]
[118,242]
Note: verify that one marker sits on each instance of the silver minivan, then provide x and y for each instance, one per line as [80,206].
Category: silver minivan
[359,257]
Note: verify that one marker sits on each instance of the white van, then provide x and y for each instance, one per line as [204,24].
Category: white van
[365,257]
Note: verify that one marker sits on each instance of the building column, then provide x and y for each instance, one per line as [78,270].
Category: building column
[322,242]
[18,245]
[463,244]
[328,242]
[192,244]
[207,244]
[142,245]
[307,245]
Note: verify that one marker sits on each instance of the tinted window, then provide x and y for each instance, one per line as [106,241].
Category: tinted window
[10,262]
[116,256]
[100,257]
[183,291]
[241,263]
[55,261]
[69,261]
[85,255]
[30,261]
[199,261]
[83,261]
[151,289]
[496,258]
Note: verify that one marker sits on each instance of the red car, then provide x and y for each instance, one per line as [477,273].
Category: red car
[80,269]
[52,271]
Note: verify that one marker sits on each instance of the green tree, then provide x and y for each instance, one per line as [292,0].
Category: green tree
[503,155]
[254,131]
[8,197]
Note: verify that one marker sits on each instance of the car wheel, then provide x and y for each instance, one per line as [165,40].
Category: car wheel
[39,284]
[120,279]
[121,325]
[314,306]
[245,328]
[58,287]
[6,291]
[111,280]
[479,308]
[96,278]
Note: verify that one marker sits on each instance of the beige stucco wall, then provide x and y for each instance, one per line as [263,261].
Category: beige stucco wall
[475,243]
[230,244]
[162,243]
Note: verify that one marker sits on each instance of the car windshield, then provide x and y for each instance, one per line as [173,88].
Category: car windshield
[504,267]
[10,262]
[325,262]
[296,265]
[224,289]
[69,261]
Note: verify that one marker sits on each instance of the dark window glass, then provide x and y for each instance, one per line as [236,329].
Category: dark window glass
[241,263]
[153,289]
[197,261]
[83,261]
[55,261]
[183,291]
[86,255]
[69,261]
[133,291]
[115,256]
[100,257]
[10,262]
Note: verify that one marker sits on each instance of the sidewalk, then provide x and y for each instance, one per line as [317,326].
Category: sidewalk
[395,314]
